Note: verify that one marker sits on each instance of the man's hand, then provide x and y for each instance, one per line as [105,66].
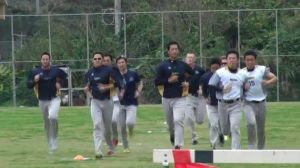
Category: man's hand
[105,87]
[185,84]
[227,88]
[137,94]
[173,78]
[37,78]
[247,86]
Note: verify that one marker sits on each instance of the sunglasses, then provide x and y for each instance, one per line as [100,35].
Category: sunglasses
[97,59]
[224,63]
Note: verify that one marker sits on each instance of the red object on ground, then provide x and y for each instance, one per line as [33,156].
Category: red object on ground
[182,159]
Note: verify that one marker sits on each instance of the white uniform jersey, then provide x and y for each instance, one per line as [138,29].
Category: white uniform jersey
[227,78]
[256,92]
[115,98]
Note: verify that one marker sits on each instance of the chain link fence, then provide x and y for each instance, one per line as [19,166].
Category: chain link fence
[72,39]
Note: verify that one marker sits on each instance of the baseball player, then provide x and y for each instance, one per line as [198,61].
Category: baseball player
[47,81]
[232,81]
[107,61]
[99,82]
[130,87]
[211,103]
[226,126]
[195,103]
[259,78]
[171,77]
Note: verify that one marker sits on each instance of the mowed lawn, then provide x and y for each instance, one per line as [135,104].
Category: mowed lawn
[23,143]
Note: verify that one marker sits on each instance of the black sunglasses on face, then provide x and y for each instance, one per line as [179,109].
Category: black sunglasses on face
[97,58]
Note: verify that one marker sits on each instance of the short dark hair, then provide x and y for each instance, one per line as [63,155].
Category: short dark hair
[97,52]
[108,55]
[215,60]
[233,51]
[250,52]
[172,43]
[191,52]
[121,57]
[46,53]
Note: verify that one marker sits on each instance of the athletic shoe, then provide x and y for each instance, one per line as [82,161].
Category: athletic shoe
[110,152]
[98,156]
[177,147]
[195,142]
[115,142]
[222,141]
[172,139]
[126,150]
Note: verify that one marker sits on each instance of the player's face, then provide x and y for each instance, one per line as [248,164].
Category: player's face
[250,61]
[97,60]
[45,61]
[214,67]
[224,62]
[173,51]
[107,61]
[122,65]
[190,59]
[232,61]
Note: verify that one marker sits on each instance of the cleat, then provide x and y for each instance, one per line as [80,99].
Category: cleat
[98,157]
[221,140]
[115,142]
[126,150]
[110,152]
[172,139]
[177,147]
[195,142]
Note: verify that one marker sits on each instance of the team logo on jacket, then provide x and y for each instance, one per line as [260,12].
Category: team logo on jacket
[196,72]
[169,67]
[131,79]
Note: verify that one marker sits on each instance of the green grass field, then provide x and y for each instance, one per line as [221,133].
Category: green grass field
[23,143]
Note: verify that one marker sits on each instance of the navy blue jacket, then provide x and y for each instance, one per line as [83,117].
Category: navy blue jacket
[129,82]
[96,76]
[46,86]
[164,71]
[195,80]
[207,91]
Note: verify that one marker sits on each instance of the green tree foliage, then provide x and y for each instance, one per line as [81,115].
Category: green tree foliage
[70,36]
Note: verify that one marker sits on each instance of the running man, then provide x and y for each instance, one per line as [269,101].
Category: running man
[232,81]
[130,88]
[107,61]
[259,78]
[171,76]
[98,85]
[47,81]
[211,103]
[195,102]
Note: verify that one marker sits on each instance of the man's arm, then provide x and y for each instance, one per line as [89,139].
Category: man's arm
[30,80]
[213,83]
[270,78]
[159,78]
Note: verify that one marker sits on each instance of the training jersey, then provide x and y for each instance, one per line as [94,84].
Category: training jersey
[256,92]
[45,88]
[164,72]
[100,75]
[206,92]
[129,83]
[225,77]
[195,80]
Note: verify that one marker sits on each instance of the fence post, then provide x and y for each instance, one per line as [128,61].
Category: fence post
[277,57]
[13,63]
